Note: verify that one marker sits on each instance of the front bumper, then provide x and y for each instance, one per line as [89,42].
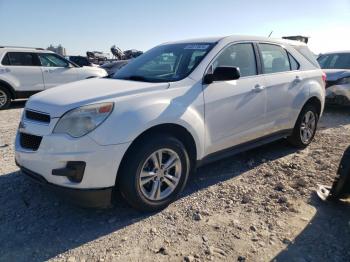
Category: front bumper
[101,197]
[338,94]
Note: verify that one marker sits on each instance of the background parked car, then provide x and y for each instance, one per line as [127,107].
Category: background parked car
[113,67]
[337,67]
[81,61]
[25,71]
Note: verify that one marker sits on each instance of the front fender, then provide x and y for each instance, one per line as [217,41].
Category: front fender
[131,119]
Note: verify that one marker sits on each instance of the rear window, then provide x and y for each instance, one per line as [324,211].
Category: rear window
[305,52]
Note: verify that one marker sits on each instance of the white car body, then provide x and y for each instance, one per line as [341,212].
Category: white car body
[218,116]
[24,80]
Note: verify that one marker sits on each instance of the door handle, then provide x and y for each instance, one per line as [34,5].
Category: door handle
[258,88]
[47,70]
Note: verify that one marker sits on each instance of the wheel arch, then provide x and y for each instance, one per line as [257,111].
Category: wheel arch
[176,130]
[314,101]
[8,87]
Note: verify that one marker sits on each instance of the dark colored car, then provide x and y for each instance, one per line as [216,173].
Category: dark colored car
[337,68]
[113,67]
[80,60]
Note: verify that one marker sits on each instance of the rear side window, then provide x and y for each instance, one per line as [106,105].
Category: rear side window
[6,60]
[238,55]
[19,59]
[275,58]
[305,52]
[294,65]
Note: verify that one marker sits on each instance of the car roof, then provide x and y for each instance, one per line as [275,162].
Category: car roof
[233,38]
[23,49]
[336,52]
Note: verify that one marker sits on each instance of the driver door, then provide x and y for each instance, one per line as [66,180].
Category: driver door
[56,70]
[235,110]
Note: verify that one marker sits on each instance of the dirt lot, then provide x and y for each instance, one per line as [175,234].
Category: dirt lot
[256,206]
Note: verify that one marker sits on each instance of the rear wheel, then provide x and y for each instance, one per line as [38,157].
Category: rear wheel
[305,128]
[5,98]
[154,173]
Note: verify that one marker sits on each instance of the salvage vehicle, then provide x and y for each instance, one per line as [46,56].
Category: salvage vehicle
[176,107]
[80,61]
[26,71]
[336,65]
[113,67]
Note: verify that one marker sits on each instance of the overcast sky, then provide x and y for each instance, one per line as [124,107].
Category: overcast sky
[83,25]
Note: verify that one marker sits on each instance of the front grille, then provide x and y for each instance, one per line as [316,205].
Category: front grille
[36,116]
[28,141]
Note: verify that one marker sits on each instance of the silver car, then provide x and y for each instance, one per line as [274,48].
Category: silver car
[337,68]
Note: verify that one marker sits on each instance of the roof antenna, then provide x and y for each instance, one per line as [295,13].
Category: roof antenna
[270,33]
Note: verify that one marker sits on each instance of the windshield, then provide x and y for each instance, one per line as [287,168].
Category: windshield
[335,61]
[165,63]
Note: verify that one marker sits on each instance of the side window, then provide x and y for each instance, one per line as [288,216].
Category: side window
[52,60]
[20,59]
[294,65]
[6,60]
[275,58]
[238,55]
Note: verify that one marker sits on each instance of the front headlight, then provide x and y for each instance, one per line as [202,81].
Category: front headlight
[344,81]
[82,120]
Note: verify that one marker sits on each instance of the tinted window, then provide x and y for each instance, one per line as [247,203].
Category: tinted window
[294,65]
[335,61]
[305,52]
[275,58]
[238,55]
[6,60]
[21,59]
[165,63]
[52,60]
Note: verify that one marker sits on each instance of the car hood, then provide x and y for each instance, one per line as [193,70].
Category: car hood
[335,74]
[94,70]
[58,100]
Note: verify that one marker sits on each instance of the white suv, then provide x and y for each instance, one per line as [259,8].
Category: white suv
[177,106]
[25,71]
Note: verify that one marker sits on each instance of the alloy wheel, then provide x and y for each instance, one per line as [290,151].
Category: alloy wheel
[308,127]
[3,98]
[160,174]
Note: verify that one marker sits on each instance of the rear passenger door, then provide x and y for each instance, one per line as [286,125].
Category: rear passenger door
[235,110]
[283,84]
[56,70]
[23,69]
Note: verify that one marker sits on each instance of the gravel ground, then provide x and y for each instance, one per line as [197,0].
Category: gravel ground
[256,206]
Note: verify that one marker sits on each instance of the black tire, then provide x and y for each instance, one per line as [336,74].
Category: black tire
[341,184]
[4,94]
[133,164]
[296,138]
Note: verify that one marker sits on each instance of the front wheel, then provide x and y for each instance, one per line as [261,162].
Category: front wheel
[5,98]
[305,128]
[154,173]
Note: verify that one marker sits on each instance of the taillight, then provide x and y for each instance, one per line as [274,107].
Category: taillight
[324,78]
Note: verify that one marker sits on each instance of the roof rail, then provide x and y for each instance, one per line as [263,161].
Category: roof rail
[36,48]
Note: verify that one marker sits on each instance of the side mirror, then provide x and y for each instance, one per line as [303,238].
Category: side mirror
[222,73]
